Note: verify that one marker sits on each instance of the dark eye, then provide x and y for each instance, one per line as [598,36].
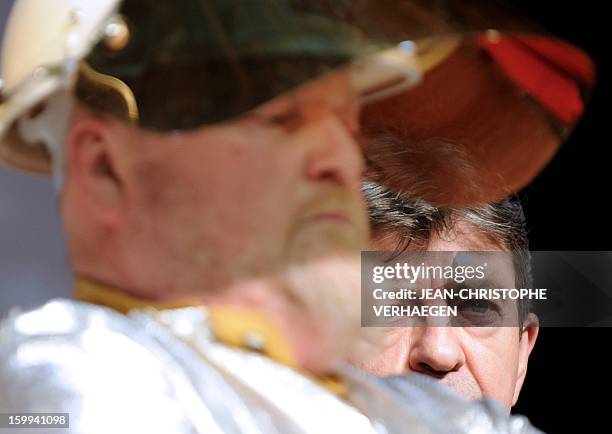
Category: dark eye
[478,313]
[476,306]
[284,118]
[287,117]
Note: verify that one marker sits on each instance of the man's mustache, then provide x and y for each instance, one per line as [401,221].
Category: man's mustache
[334,200]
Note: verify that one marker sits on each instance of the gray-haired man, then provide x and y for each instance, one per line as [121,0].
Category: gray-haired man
[475,361]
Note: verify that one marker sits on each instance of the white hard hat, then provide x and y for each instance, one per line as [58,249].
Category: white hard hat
[43,42]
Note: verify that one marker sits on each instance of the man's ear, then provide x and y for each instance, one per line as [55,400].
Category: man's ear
[94,167]
[528,337]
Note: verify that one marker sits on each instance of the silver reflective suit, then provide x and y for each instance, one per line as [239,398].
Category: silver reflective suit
[163,372]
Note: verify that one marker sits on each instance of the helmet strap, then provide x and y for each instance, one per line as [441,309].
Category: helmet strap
[50,127]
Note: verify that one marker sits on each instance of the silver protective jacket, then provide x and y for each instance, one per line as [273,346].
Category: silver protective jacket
[163,372]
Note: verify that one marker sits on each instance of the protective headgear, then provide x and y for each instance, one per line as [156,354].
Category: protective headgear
[170,65]
[181,64]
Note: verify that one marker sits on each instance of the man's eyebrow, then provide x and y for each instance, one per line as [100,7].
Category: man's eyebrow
[486,283]
[283,115]
[477,283]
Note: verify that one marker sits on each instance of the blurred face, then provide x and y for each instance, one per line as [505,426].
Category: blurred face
[476,362]
[259,212]
[246,198]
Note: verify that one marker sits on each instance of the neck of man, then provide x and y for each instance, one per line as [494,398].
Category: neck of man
[284,327]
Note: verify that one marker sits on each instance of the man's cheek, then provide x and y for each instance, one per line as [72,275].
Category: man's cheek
[380,366]
[493,365]
[392,360]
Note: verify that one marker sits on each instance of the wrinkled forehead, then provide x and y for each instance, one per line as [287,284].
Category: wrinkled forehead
[466,236]
[459,235]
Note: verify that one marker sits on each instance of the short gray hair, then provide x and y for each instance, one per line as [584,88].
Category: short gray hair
[415,221]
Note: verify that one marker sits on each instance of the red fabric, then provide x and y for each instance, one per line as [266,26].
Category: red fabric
[549,70]
[564,56]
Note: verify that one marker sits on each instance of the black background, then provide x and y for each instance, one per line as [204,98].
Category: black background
[569,374]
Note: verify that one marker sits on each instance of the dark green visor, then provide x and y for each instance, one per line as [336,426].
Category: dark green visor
[187,63]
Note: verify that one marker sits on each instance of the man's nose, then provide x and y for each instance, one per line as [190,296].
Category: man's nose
[435,351]
[333,155]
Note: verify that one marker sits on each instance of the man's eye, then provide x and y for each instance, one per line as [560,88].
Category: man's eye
[288,119]
[478,313]
[476,306]
[283,118]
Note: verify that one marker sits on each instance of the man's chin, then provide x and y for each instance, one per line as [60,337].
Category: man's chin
[328,289]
